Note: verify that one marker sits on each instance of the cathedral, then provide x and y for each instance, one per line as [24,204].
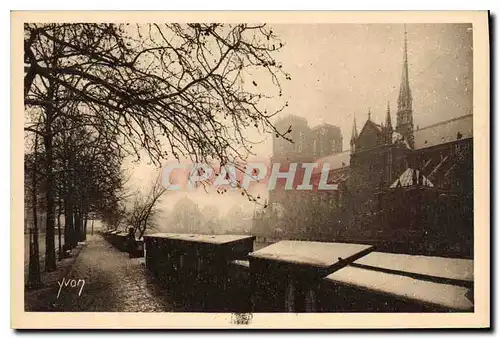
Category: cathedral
[402,188]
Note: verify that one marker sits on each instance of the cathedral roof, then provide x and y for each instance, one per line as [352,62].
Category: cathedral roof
[379,127]
[443,132]
[336,161]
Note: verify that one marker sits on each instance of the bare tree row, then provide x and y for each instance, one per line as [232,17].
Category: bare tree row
[95,93]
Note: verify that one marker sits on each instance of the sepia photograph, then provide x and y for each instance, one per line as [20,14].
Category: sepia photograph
[253,167]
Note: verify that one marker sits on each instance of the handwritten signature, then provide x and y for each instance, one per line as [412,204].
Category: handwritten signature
[72,283]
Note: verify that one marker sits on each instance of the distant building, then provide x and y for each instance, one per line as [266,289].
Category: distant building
[405,188]
[308,144]
[185,217]
[326,139]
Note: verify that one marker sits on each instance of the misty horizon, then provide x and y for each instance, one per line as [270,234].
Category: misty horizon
[339,83]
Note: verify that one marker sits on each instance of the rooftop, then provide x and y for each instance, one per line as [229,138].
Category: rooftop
[404,287]
[312,253]
[201,238]
[408,277]
[337,160]
[444,131]
[446,268]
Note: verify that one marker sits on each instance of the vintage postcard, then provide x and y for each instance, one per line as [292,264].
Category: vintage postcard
[250,170]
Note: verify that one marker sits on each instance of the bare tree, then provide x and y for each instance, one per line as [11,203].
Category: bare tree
[144,207]
[30,166]
[171,90]
[186,87]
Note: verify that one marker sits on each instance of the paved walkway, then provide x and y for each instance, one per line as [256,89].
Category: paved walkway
[107,280]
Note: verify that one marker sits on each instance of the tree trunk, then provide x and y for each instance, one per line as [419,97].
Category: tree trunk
[69,228]
[72,205]
[82,224]
[85,221]
[34,263]
[142,229]
[66,208]
[50,249]
[77,225]
[59,229]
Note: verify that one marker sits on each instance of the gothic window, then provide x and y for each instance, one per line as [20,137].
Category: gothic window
[334,149]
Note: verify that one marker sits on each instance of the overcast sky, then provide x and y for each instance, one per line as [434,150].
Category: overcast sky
[339,70]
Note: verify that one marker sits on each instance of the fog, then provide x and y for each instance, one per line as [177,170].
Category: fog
[340,71]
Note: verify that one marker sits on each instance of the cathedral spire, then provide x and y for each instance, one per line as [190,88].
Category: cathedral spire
[388,122]
[354,134]
[388,125]
[404,122]
[405,99]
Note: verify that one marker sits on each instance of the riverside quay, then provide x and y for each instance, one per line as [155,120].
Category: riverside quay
[223,273]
